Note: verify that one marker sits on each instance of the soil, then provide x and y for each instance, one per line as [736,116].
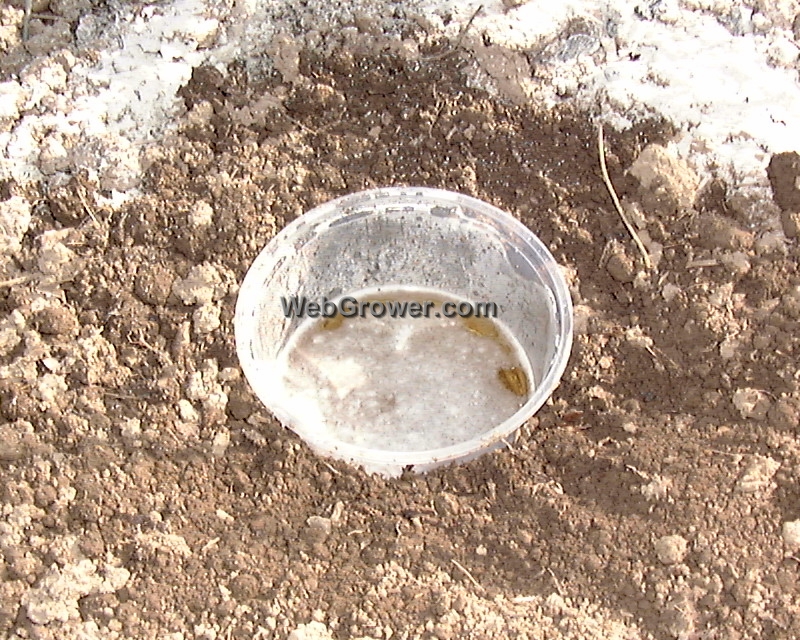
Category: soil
[147,494]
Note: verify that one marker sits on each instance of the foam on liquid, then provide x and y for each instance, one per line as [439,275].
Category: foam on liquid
[405,384]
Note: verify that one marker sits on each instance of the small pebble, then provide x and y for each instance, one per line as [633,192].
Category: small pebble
[312,631]
[630,427]
[319,523]
[240,405]
[317,529]
[202,214]
[220,443]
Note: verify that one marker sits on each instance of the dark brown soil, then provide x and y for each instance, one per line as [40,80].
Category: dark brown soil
[645,437]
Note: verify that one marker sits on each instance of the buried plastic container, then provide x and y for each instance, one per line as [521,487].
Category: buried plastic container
[404,328]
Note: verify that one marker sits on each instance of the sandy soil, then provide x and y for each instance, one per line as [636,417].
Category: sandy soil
[147,494]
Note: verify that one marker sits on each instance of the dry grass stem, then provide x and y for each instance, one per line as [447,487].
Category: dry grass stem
[15,281]
[467,573]
[631,229]
[26,20]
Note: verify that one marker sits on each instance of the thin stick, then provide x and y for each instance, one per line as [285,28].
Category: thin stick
[15,281]
[524,599]
[334,470]
[86,206]
[699,264]
[209,544]
[444,54]
[467,573]
[639,245]
[26,19]
[557,583]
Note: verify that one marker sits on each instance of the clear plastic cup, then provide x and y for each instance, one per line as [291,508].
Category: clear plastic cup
[403,237]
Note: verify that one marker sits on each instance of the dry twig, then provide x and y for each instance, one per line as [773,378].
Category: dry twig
[26,20]
[604,169]
[333,469]
[86,207]
[467,573]
[556,582]
[15,281]
[444,54]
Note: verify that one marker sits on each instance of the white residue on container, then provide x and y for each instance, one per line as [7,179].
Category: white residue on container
[403,383]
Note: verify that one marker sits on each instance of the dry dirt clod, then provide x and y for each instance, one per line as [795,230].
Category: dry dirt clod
[784,176]
[15,218]
[758,475]
[318,528]
[446,504]
[716,231]
[206,318]
[737,262]
[220,443]
[202,285]
[12,448]
[679,616]
[790,302]
[752,404]
[790,220]
[312,631]
[153,284]
[201,215]
[57,320]
[509,70]
[671,549]
[790,533]
[621,268]
[667,182]
[784,414]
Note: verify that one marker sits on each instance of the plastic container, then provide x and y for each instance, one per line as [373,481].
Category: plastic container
[384,239]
